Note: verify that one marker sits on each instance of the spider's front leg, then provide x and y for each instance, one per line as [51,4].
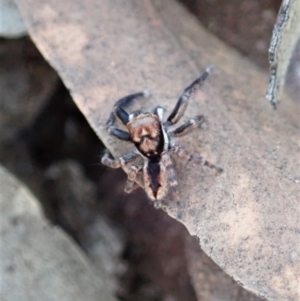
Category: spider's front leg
[184,154]
[118,112]
[183,101]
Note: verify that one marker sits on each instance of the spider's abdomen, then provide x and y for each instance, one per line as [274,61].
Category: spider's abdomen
[145,131]
[155,179]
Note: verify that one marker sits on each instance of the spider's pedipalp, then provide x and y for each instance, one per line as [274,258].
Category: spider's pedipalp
[184,154]
[187,127]
[183,101]
[159,111]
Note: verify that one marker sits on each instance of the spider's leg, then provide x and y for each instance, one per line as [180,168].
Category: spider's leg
[120,113]
[130,186]
[183,153]
[118,108]
[120,162]
[171,174]
[187,127]
[122,135]
[183,101]
[134,170]
[132,173]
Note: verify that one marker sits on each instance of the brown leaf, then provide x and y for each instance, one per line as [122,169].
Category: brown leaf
[248,218]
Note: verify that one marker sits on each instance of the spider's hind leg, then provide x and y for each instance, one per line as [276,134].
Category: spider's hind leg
[171,175]
[183,101]
[120,162]
[131,186]
[131,171]
[133,182]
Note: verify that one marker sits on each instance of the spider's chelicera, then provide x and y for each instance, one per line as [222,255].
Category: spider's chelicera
[153,143]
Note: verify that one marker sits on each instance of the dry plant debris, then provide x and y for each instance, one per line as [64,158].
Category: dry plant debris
[285,36]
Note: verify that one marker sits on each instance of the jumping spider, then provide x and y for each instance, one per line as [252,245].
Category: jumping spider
[153,142]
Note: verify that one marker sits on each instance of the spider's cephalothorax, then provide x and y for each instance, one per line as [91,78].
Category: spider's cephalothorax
[146,133]
[153,142]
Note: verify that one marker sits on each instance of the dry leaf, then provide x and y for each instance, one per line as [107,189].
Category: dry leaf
[247,219]
[285,36]
[209,281]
